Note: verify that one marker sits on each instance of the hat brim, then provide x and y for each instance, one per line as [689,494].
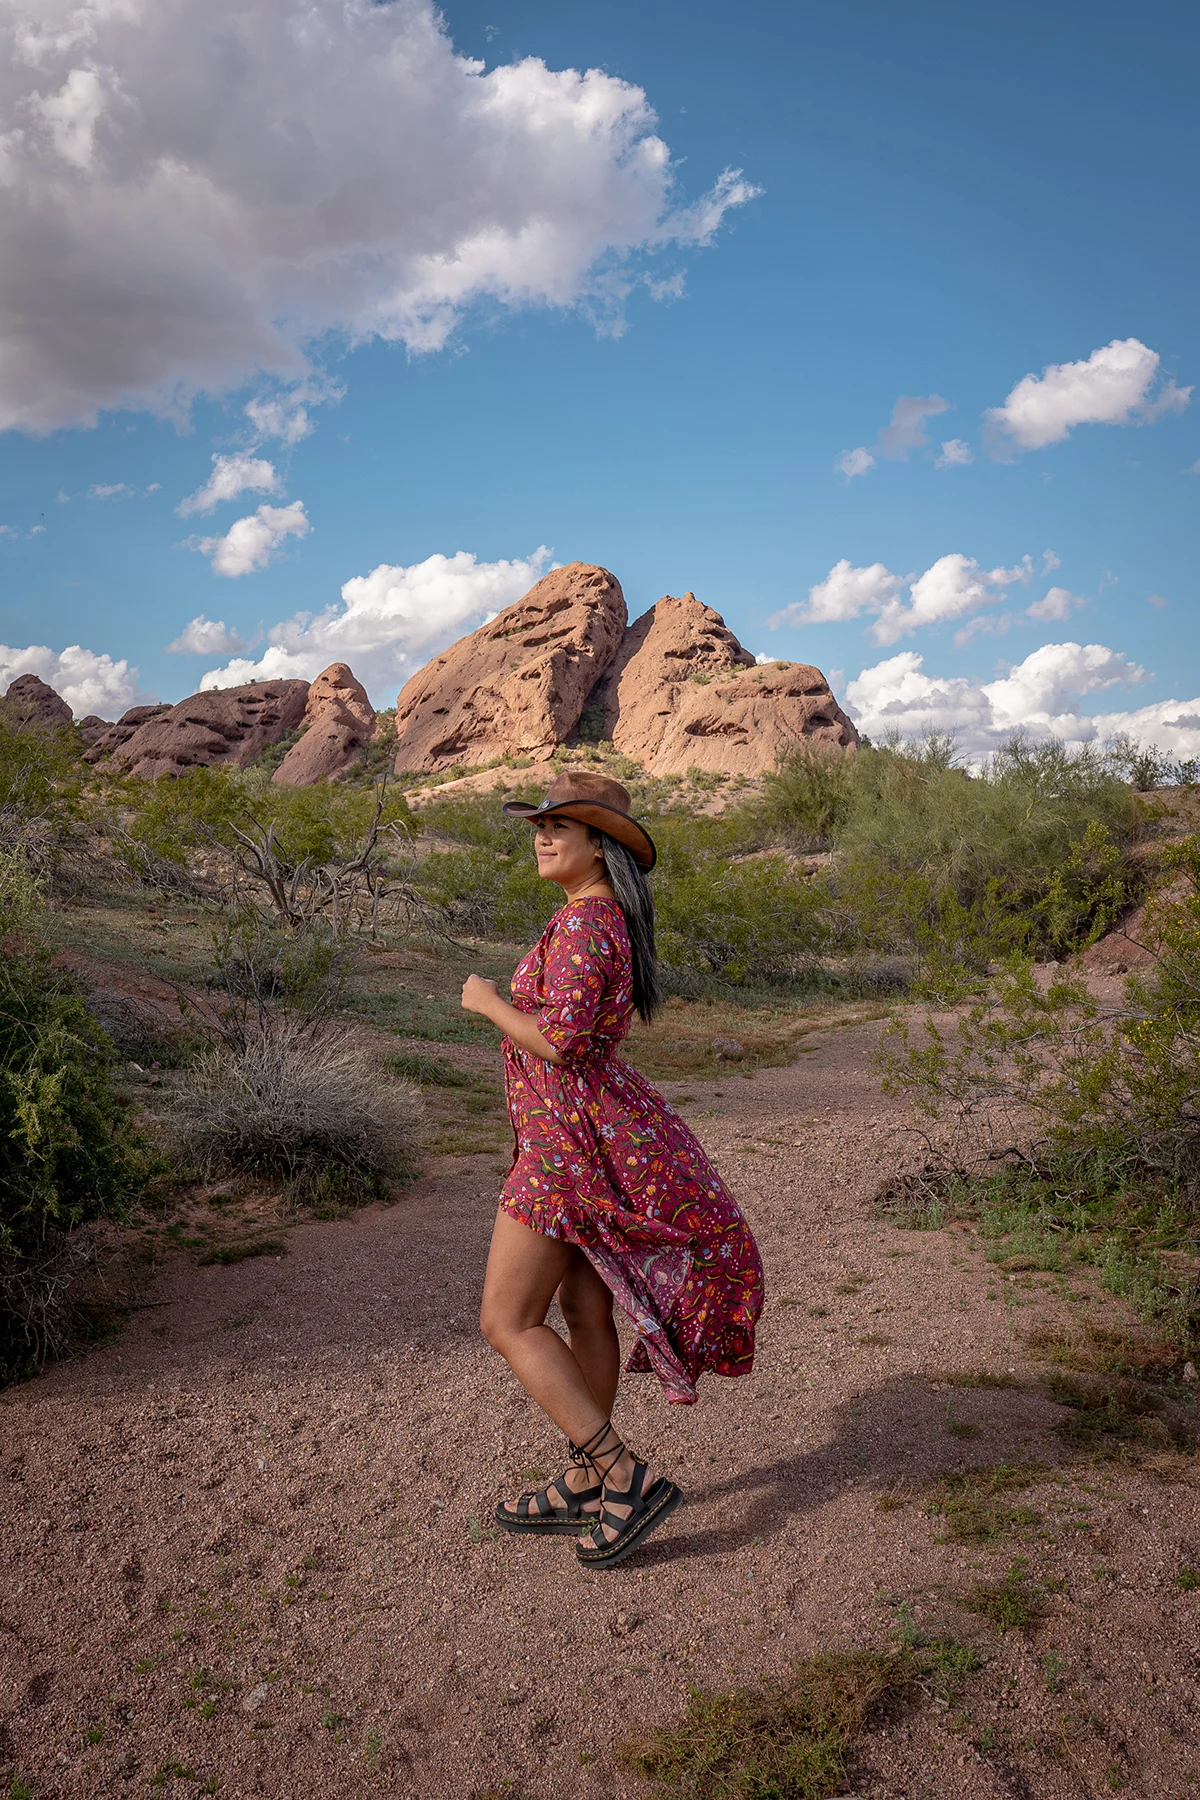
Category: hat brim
[600,816]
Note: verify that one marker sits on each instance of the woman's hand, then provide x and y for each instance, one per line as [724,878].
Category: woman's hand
[479,995]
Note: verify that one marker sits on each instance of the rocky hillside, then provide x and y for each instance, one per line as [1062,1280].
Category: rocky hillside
[673,691]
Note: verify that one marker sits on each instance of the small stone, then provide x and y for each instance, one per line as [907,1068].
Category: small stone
[255,1698]
[728,1049]
[1189,1372]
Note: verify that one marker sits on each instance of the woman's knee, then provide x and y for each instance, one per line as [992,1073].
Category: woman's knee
[587,1307]
[496,1324]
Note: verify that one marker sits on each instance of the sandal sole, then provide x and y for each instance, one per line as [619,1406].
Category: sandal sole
[543,1527]
[655,1516]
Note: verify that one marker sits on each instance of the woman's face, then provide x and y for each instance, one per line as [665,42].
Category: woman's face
[565,853]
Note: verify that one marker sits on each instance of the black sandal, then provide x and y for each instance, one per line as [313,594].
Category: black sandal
[567,1520]
[648,1510]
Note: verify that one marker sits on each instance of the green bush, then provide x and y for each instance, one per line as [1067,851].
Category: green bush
[67,1153]
[1089,1112]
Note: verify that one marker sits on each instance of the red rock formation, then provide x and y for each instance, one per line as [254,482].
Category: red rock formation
[676,642]
[92,728]
[226,727]
[338,720]
[104,742]
[32,705]
[518,684]
[739,726]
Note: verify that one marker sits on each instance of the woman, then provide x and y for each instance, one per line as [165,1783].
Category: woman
[609,1192]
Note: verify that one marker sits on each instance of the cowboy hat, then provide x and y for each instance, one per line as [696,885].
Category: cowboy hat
[596,801]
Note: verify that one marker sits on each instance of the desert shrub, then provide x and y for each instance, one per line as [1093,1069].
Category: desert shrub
[1076,1122]
[67,1152]
[809,794]
[1032,853]
[41,788]
[298,1102]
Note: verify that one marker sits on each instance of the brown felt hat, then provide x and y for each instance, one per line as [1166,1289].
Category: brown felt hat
[598,802]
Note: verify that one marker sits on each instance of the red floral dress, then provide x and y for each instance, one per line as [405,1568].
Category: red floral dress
[602,1160]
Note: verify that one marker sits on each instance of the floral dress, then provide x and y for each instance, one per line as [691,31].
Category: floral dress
[602,1160]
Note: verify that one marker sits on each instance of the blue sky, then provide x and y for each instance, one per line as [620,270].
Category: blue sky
[951,201]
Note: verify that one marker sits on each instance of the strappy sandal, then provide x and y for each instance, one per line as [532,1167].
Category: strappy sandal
[648,1510]
[536,1514]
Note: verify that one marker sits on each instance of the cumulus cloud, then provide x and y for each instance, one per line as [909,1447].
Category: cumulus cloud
[250,543]
[845,593]
[1057,604]
[88,682]
[285,415]
[951,588]
[1038,696]
[240,473]
[1113,386]
[207,637]
[955,452]
[854,462]
[192,196]
[389,622]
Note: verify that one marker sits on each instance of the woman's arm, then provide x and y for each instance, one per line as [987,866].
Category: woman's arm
[482,996]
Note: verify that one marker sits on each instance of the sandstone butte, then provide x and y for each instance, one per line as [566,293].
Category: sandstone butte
[674,690]
[518,684]
[227,727]
[32,705]
[339,721]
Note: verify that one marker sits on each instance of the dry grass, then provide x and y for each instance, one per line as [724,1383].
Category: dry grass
[1116,1417]
[680,1041]
[307,1107]
[971,1506]
[792,1740]
[789,1741]
[1099,1350]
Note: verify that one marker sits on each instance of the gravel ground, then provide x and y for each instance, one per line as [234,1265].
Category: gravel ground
[247,1544]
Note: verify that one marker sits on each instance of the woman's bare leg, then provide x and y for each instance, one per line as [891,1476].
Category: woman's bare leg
[524,1269]
[587,1307]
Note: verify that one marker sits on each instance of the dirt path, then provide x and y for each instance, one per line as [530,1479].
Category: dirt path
[246,1547]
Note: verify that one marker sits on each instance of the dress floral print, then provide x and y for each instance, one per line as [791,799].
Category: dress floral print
[602,1160]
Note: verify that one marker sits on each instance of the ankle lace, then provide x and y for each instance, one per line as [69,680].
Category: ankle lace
[599,1455]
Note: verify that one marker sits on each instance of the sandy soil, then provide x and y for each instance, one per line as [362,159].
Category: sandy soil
[247,1545]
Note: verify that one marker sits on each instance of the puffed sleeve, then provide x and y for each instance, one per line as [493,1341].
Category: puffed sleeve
[580,959]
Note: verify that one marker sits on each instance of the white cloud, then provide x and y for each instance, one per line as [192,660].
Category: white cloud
[363,180]
[845,593]
[116,491]
[1112,387]
[1058,603]
[207,637]
[907,429]
[240,473]
[1036,696]
[854,462]
[1158,600]
[250,543]
[389,622]
[89,683]
[285,415]
[955,452]
[952,588]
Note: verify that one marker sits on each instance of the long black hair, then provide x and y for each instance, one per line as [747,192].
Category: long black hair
[628,882]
